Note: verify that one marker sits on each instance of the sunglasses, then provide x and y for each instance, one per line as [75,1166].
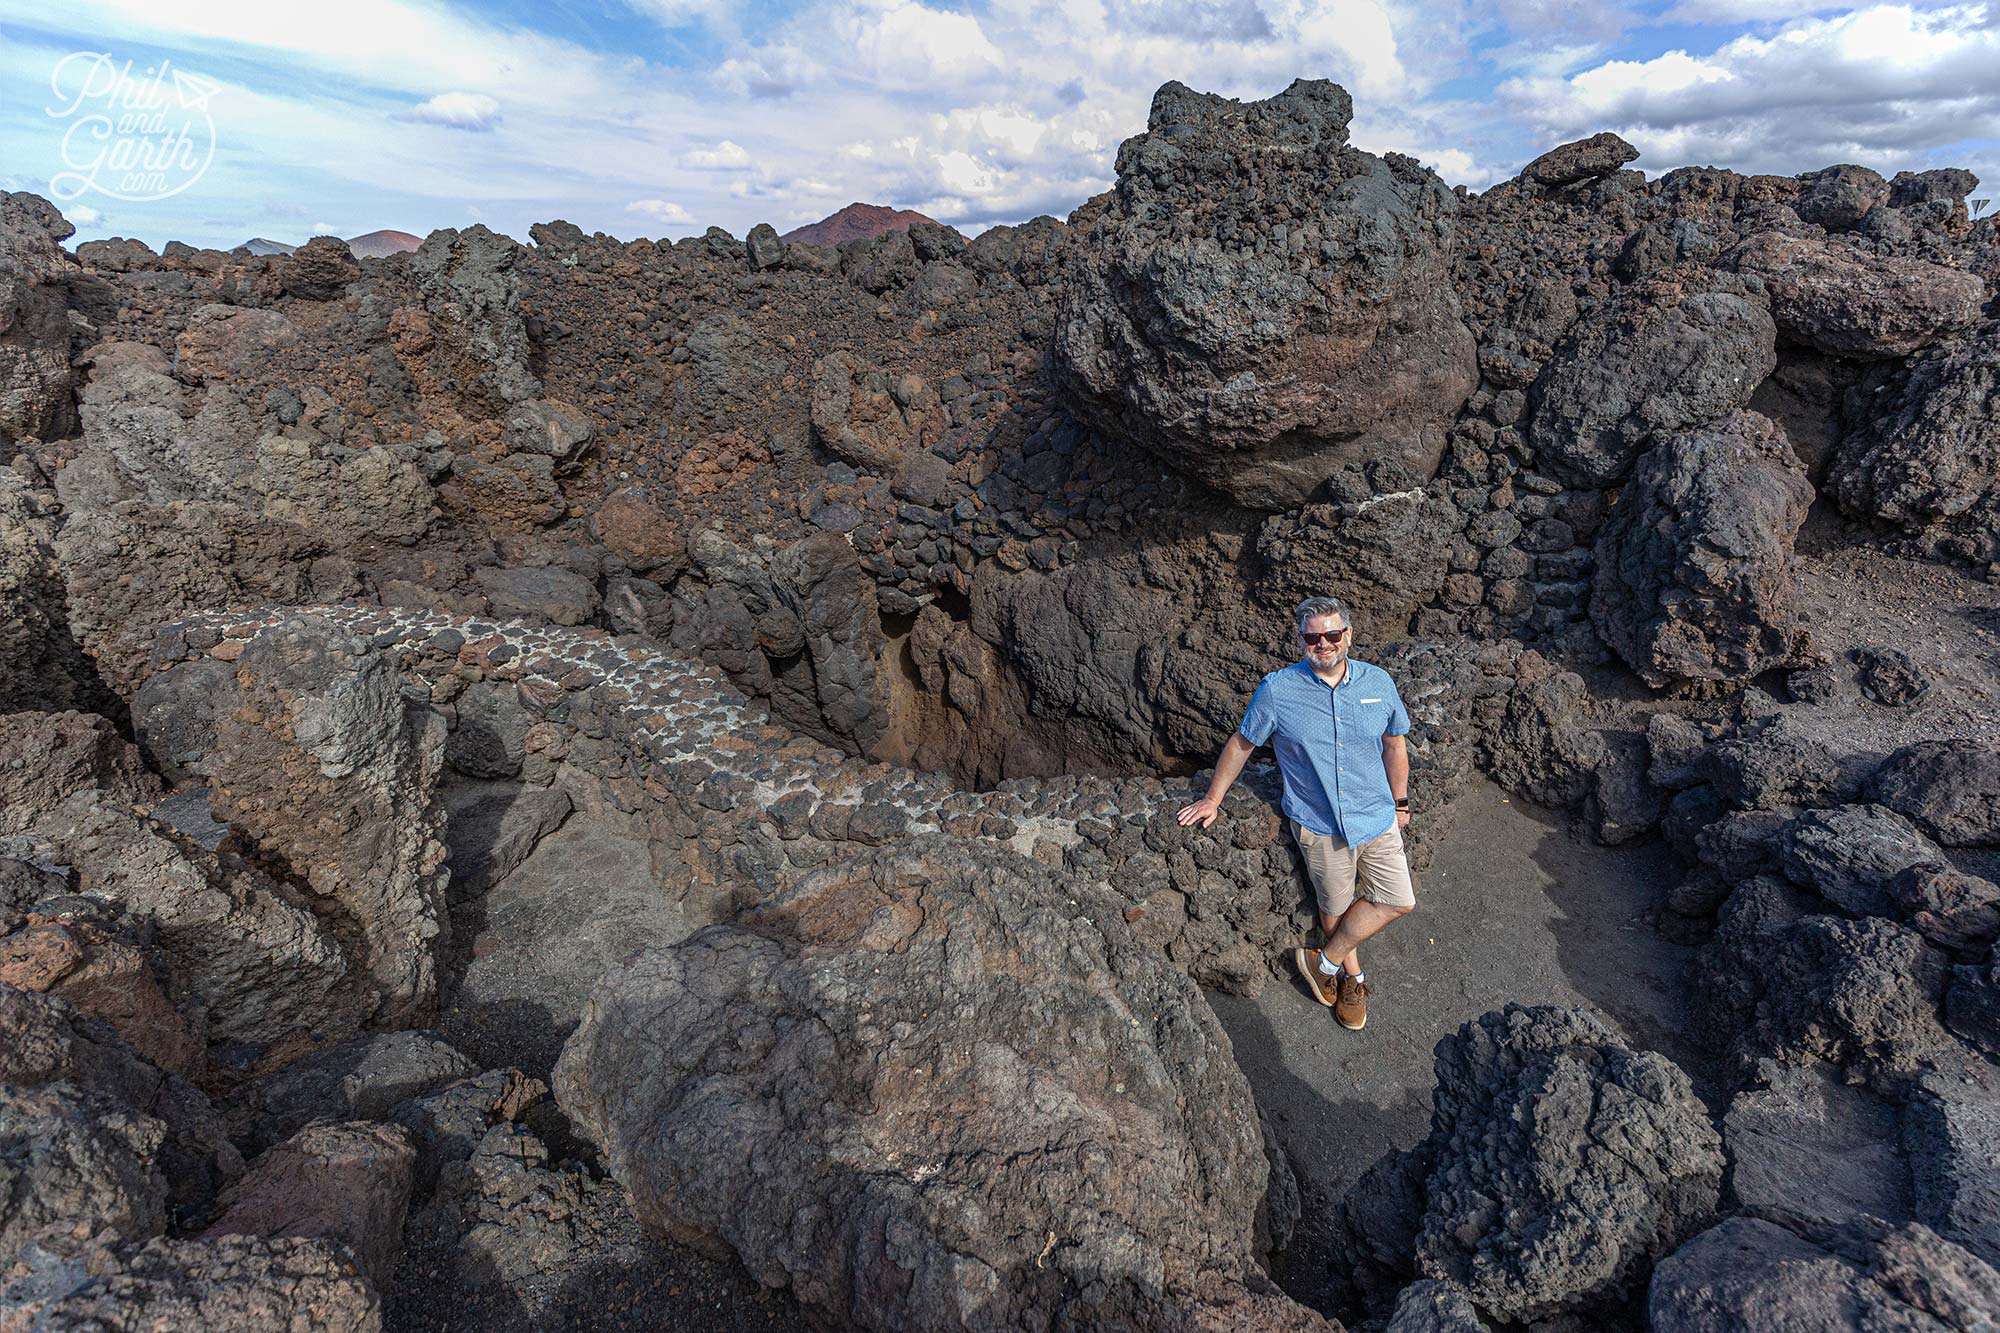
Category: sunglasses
[1333,636]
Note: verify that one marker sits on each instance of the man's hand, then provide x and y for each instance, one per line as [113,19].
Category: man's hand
[1202,812]
[1402,820]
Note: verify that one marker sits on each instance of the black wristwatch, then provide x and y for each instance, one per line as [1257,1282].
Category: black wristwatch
[1403,804]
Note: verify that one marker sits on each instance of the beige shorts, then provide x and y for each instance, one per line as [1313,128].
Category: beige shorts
[1379,867]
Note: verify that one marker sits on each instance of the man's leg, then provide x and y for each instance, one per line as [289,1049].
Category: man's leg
[1331,869]
[1328,927]
[1357,925]
[1386,892]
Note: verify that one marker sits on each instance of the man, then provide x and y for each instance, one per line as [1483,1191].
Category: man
[1337,726]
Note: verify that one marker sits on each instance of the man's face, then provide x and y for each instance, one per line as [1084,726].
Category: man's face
[1325,640]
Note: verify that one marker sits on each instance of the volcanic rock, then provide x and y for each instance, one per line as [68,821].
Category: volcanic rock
[1675,748]
[1748,1275]
[1936,196]
[1384,557]
[41,666]
[1957,912]
[1838,197]
[234,1284]
[319,270]
[764,247]
[1845,301]
[1850,854]
[473,297]
[1972,1005]
[80,951]
[105,1130]
[75,1160]
[341,1182]
[362,1079]
[167,514]
[1599,155]
[631,525]
[225,343]
[244,954]
[544,426]
[32,231]
[47,758]
[933,1135]
[1950,789]
[880,265]
[1665,355]
[1544,747]
[1695,574]
[1562,1163]
[1253,356]
[862,416]
[325,763]
[1951,1132]
[1785,762]
[1808,1145]
[449,1124]
[515,1217]
[37,390]
[1779,982]
[493,827]
[1926,460]
[547,593]
[1889,677]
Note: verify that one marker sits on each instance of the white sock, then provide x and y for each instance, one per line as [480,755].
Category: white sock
[1327,967]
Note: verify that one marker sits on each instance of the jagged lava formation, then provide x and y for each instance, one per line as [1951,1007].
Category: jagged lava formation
[528,765]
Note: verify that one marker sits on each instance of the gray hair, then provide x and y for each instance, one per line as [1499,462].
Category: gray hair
[1321,606]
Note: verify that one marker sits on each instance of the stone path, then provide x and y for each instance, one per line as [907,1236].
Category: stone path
[683,714]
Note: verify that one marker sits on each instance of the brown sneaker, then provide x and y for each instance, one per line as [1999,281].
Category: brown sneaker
[1350,1009]
[1318,982]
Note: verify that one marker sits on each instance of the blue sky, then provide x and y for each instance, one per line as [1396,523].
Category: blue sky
[661,117]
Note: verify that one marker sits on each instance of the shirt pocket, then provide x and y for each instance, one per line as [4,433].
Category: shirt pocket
[1372,715]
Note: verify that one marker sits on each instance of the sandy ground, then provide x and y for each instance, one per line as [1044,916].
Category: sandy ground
[1513,909]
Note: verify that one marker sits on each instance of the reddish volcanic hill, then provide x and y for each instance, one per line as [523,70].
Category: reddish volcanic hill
[381,244]
[854,223]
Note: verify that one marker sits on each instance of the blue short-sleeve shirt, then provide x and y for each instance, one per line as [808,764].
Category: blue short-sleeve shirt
[1329,745]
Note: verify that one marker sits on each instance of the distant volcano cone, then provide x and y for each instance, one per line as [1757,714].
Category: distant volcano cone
[856,222]
[381,244]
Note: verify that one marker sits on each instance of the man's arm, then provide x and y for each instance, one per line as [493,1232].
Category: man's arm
[1396,762]
[1228,766]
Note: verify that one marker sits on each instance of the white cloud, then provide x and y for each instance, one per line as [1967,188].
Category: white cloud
[1884,86]
[324,229]
[915,46]
[997,128]
[659,210]
[963,175]
[725,156]
[407,46]
[766,72]
[83,215]
[458,111]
